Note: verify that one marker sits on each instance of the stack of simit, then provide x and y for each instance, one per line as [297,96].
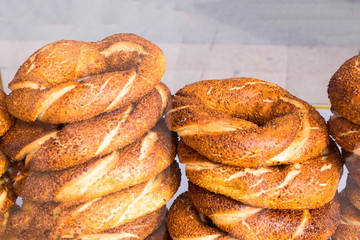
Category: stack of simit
[92,156]
[344,126]
[259,162]
[7,195]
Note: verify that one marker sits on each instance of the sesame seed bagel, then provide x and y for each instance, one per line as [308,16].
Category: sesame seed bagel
[349,228]
[100,215]
[79,142]
[134,164]
[184,222]
[65,81]
[24,225]
[118,208]
[343,90]
[248,222]
[246,122]
[306,185]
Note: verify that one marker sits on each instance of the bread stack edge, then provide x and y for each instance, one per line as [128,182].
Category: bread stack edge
[91,155]
[259,161]
[344,127]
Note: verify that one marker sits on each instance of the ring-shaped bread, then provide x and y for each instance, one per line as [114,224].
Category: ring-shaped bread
[246,122]
[134,164]
[349,227]
[24,224]
[306,185]
[248,223]
[78,142]
[101,214]
[185,222]
[67,80]
[118,208]
[343,90]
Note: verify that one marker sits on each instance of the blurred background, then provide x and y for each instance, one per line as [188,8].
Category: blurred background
[295,44]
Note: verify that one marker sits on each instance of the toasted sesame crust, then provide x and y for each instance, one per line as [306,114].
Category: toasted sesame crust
[246,122]
[65,81]
[343,90]
[134,164]
[305,185]
[248,222]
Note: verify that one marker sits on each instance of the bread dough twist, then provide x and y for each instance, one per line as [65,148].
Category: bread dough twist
[66,81]
[246,122]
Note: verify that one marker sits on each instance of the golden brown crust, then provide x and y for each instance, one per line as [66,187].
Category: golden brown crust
[6,121]
[7,200]
[7,195]
[345,133]
[4,163]
[18,174]
[23,225]
[118,208]
[185,222]
[246,122]
[349,228]
[109,214]
[134,164]
[343,90]
[79,142]
[305,185]
[22,134]
[46,87]
[247,222]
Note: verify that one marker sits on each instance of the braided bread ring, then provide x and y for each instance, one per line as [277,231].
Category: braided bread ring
[246,122]
[24,225]
[349,228]
[118,208]
[121,169]
[184,222]
[343,90]
[247,222]
[79,142]
[305,185]
[46,86]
